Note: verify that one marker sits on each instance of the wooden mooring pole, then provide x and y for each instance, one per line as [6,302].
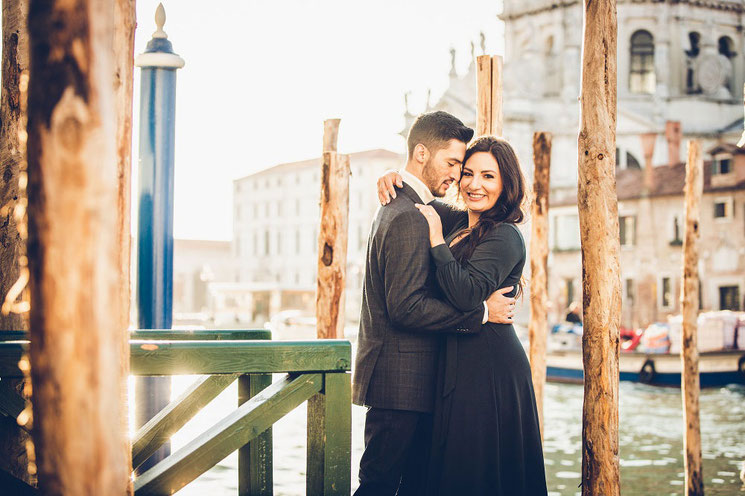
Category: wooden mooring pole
[332,236]
[689,308]
[598,218]
[75,330]
[124,36]
[489,80]
[13,261]
[539,266]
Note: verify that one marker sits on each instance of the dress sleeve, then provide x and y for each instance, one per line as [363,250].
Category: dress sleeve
[409,303]
[450,216]
[468,286]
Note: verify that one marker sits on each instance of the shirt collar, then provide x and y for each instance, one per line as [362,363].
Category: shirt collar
[418,186]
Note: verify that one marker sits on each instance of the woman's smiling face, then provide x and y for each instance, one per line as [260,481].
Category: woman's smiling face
[480,182]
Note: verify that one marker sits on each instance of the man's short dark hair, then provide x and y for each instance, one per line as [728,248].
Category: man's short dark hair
[435,129]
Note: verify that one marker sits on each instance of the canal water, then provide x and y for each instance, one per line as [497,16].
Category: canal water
[650,442]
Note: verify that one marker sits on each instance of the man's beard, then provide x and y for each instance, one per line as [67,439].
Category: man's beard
[431,180]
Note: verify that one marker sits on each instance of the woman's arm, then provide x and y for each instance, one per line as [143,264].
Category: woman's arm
[466,287]
[451,217]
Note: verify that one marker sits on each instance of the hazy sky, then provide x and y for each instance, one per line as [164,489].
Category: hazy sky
[261,76]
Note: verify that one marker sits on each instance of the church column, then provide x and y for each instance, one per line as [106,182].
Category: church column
[571,67]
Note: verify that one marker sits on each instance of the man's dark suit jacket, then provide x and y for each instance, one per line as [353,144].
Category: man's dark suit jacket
[402,322]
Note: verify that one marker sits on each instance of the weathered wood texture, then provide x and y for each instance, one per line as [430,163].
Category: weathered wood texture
[330,135]
[15,62]
[13,262]
[216,357]
[598,216]
[689,308]
[537,329]
[332,237]
[255,459]
[232,432]
[124,35]
[178,412]
[330,437]
[76,345]
[11,403]
[200,334]
[230,357]
[489,97]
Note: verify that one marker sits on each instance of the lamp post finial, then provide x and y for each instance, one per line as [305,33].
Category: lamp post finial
[160,20]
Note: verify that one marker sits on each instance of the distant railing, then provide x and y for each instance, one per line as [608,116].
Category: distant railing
[317,371]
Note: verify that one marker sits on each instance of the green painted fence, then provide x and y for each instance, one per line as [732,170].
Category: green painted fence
[316,371]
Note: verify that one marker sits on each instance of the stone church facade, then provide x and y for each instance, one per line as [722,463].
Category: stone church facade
[681,71]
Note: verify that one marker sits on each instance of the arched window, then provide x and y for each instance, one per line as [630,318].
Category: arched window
[641,76]
[632,162]
[727,48]
[694,39]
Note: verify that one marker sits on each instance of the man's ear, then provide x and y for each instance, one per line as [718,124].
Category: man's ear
[421,153]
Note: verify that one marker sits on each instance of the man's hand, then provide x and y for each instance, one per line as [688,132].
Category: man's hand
[501,308]
[386,191]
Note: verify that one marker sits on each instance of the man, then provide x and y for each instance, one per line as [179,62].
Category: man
[403,321]
[573,315]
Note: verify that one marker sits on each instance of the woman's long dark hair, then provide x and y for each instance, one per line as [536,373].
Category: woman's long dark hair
[509,205]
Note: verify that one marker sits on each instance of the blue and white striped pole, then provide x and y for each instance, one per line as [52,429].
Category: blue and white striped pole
[155,225]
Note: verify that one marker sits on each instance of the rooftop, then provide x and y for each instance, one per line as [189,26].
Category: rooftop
[668,180]
[314,162]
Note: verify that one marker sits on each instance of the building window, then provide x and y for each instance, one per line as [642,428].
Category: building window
[627,230]
[691,54]
[266,242]
[566,232]
[630,293]
[723,208]
[676,241]
[700,296]
[721,165]
[569,286]
[727,49]
[666,293]
[642,77]
[632,162]
[729,298]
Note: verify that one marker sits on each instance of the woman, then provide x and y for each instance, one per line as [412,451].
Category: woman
[486,437]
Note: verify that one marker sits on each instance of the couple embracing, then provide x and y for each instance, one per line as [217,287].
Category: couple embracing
[451,408]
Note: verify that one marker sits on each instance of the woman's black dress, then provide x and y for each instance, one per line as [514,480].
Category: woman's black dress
[486,438]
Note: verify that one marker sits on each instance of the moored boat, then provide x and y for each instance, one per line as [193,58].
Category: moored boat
[716,368]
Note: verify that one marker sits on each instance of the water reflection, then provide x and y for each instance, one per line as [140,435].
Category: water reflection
[650,439]
[650,442]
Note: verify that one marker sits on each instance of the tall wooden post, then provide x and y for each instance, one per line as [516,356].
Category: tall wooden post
[73,253]
[741,143]
[539,266]
[689,304]
[489,79]
[598,218]
[13,268]
[15,62]
[332,236]
[124,36]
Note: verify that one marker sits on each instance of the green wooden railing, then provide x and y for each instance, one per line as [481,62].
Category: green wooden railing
[317,371]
